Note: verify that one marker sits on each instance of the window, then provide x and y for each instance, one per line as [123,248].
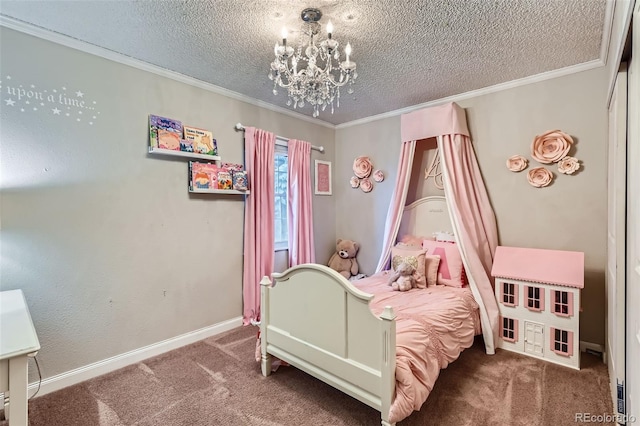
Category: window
[281,185]
[509,329]
[562,341]
[562,303]
[535,298]
[509,294]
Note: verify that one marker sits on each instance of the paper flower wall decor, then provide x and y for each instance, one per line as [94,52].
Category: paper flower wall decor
[568,165]
[362,167]
[517,163]
[364,178]
[539,177]
[366,185]
[551,147]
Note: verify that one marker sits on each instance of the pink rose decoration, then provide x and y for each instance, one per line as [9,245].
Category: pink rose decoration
[539,177]
[378,176]
[366,185]
[551,146]
[516,163]
[568,165]
[354,181]
[362,167]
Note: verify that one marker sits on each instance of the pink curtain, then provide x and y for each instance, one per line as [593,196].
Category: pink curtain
[398,200]
[258,218]
[474,224]
[300,219]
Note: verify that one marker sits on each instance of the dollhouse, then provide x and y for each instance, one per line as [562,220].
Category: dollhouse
[538,294]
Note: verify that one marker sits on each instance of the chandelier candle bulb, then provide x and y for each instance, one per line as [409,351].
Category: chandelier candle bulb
[329,29]
[347,50]
[284,36]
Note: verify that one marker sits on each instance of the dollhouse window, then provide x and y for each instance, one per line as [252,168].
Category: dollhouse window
[535,298]
[509,294]
[562,341]
[509,329]
[562,303]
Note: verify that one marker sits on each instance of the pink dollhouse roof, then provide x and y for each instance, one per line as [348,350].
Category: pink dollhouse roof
[564,268]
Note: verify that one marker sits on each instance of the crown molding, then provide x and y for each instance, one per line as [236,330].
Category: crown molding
[607,29]
[67,41]
[479,92]
[92,49]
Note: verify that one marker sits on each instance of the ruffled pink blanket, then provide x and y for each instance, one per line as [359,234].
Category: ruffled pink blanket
[433,326]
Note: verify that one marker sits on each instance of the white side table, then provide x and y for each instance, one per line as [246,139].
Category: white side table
[18,340]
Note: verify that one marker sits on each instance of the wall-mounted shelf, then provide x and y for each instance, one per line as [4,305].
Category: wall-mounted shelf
[218,191]
[161,151]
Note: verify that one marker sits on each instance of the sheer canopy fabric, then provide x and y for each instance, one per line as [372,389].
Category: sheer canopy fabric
[471,213]
[258,218]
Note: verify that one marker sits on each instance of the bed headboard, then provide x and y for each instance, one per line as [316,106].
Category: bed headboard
[425,216]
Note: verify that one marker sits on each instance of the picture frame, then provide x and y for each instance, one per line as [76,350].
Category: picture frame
[323,177]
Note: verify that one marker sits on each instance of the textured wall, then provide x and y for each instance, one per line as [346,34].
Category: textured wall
[570,214]
[111,251]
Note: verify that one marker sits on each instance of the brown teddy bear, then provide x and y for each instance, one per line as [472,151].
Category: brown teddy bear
[344,259]
[404,278]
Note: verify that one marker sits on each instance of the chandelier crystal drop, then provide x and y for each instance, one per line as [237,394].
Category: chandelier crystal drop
[312,73]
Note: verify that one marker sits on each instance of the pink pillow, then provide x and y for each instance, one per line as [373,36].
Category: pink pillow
[431,264]
[412,240]
[450,268]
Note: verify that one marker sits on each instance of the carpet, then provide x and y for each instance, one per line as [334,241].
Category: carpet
[216,381]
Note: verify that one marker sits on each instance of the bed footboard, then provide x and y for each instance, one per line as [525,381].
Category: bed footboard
[316,320]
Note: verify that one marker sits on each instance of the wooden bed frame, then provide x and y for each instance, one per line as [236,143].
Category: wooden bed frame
[316,320]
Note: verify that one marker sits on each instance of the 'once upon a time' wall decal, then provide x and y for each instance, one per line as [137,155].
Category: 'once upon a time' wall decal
[61,102]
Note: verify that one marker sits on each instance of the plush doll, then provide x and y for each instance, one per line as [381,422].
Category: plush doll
[404,278]
[344,259]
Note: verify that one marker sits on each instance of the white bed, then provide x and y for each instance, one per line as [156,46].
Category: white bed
[316,320]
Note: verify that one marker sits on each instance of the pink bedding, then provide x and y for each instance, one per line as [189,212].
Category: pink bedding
[433,326]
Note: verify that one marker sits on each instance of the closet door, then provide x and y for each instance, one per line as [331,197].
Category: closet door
[616,231]
[633,224]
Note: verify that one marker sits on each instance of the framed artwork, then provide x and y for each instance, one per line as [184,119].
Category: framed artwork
[323,177]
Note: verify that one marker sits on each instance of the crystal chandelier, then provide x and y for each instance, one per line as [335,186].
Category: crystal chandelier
[312,73]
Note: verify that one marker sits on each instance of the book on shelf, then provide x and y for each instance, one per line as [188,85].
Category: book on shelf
[239,179]
[224,179]
[165,133]
[203,175]
[202,140]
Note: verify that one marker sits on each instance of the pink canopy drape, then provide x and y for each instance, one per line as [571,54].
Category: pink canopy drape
[258,218]
[472,216]
[300,211]
[398,200]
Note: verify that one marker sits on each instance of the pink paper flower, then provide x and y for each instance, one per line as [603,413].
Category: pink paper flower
[378,176]
[539,177]
[354,181]
[516,163]
[362,167]
[366,185]
[551,146]
[568,165]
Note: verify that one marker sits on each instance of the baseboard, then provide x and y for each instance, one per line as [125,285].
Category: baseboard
[59,381]
[593,347]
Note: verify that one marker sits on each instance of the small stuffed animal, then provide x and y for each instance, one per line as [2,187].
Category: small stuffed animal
[404,278]
[344,259]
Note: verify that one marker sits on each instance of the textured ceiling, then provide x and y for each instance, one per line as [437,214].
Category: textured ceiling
[408,52]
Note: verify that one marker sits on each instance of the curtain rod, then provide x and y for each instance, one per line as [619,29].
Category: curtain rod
[240,127]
